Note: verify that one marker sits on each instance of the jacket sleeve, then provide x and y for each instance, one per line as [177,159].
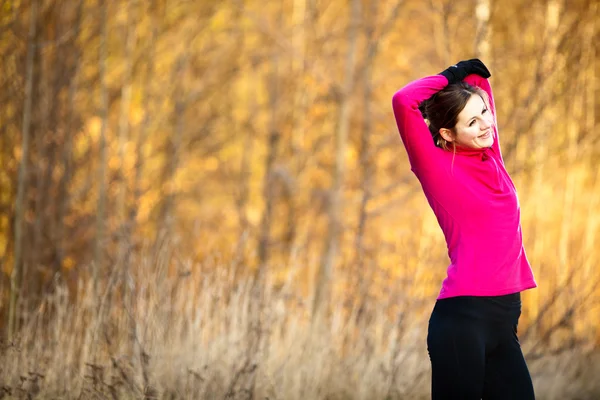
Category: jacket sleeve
[483,83]
[421,150]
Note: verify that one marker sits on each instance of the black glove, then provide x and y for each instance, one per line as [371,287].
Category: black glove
[458,72]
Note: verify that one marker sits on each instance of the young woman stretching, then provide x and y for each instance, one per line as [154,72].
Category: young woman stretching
[448,126]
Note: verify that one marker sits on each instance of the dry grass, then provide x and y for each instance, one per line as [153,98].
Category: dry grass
[199,336]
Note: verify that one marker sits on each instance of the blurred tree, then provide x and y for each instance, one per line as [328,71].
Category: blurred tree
[99,246]
[335,202]
[483,33]
[18,266]
[124,239]
[375,32]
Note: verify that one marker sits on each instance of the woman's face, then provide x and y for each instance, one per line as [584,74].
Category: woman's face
[474,127]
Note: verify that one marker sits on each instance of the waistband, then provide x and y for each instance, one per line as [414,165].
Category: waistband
[505,308]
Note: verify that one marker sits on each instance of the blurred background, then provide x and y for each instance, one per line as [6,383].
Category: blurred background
[210,199]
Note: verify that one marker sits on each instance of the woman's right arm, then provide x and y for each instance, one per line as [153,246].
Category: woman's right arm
[412,127]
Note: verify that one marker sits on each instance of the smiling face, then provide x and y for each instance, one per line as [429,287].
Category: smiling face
[474,126]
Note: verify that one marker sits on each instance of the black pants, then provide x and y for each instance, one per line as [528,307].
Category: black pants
[474,350]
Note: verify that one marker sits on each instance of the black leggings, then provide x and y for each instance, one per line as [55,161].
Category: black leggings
[474,350]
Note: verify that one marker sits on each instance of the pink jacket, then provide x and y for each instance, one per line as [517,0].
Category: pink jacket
[473,198]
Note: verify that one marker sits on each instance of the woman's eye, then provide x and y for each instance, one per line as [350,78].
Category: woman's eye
[484,111]
[472,123]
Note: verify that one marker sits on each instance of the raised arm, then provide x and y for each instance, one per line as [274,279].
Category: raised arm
[413,130]
[483,83]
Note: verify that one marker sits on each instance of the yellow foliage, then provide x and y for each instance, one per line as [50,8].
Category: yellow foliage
[68,263]
[94,125]
[237,57]
[4,240]
[220,19]
[253,214]
[211,164]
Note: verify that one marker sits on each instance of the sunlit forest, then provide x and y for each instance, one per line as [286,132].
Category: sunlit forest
[210,199]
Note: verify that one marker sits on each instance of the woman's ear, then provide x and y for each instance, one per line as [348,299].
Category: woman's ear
[446,134]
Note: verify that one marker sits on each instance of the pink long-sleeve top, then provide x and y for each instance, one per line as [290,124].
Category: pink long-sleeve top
[472,196]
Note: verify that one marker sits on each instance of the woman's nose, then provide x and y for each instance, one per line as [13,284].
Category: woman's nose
[487,123]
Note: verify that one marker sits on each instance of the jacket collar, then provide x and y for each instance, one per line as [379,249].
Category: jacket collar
[481,153]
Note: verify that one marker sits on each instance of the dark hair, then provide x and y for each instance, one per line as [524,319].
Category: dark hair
[441,110]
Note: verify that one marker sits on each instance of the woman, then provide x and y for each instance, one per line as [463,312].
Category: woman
[448,126]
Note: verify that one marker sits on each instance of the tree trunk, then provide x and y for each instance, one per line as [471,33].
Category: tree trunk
[566,266]
[67,153]
[269,178]
[541,155]
[248,100]
[365,150]
[147,95]
[101,205]
[16,274]
[246,125]
[174,147]
[45,94]
[300,16]
[243,194]
[126,90]
[145,125]
[590,125]
[441,30]
[483,32]
[335,204]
